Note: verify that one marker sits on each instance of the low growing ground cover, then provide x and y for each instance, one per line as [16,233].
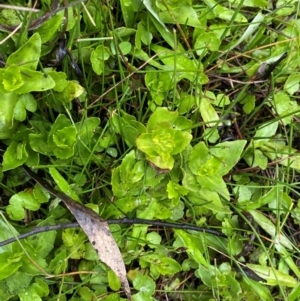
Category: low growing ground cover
[177,122]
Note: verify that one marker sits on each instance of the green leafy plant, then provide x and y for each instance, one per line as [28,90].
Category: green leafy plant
[167,135]
[174,111]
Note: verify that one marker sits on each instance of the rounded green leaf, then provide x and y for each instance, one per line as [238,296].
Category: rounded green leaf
[26,102]
[59,79]
[207,41]
[125,47]
[159,116]
[144,284]
[71,91]
[19,202]
[12,78]
[98,58]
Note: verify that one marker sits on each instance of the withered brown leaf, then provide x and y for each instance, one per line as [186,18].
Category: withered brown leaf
[95,228]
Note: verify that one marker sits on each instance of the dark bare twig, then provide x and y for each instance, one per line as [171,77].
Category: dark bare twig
[125,220]
[66,199]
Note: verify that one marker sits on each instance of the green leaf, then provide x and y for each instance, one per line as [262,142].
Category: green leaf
[41,287]
[15,155]
[145,36]
[284,106]
[64,140]
[60,79]
[150,5]
[28,55]
[26,102]
[184,15]
[49,28]
[286,256]
[8,102]
[62,137]
[224,13]
[208,196]
[256,3]
[164,141]
[98,58]
[74,241]
[159,85]
[228,153]
[270,196]
[218,160]
[130,170]
[292,83]
[164,265]
[185,103]
[214,183]
[10,262]
[141,296]
[198,157]
[167,266]
[19,202]
[273,276]
[192,247]
[43,243]
[175,190]
[127,126]
[265,133]
[12,79]
[14,284]
[6,231]
[270,228]
[126,177]
[252,28]
[41,194]
[153,239]
[113,281]
[144,284]
[294,293]
[34,81]
[98,66]
[9,16]
[86,294]
[30,295]
[208,113]
[127,12]
[39,143]
[63,184]
[59,263]
[161,115]
[206,41]
[86,139]
[153,150]
[71,90]
[116,183]
[125,47]
[183,66]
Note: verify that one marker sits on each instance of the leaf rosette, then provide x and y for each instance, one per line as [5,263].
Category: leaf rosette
[164,139]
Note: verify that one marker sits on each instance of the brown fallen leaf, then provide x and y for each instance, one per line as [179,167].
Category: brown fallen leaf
[95,228]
